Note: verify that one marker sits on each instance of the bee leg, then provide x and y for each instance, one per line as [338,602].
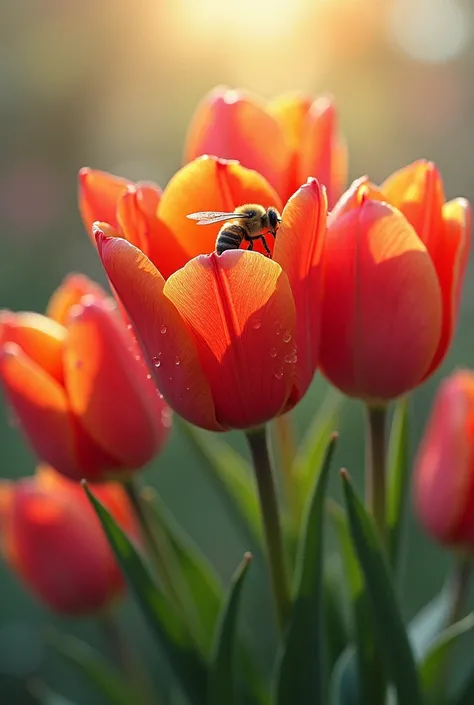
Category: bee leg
[265,246]
[250,247]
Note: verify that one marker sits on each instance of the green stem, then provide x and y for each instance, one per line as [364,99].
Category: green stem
[153,546]
[376,460]
[286,445]
[459,588]
[258,442]
[125,658]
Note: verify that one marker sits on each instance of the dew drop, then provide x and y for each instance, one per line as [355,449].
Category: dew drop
[177,362]
[273,352]
[257,324]
[163,330]
[287,337]
[278,373]
[148,376]
[156,360]
[279,330]
[129,326]
[137,358]
[291,359]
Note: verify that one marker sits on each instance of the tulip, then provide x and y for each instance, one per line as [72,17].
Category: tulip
[79,387]
[286,140]
[233,339]
[444,467]
[394,263]
[51,537]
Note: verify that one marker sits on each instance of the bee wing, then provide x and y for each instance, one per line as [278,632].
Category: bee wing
[209,217]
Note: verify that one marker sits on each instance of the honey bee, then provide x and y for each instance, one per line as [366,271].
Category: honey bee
[249,222]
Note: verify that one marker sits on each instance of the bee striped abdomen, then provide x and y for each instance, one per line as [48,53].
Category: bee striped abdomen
[230,238]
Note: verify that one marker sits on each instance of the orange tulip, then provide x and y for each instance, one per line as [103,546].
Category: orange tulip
[79,387]
[394,263]
[233,339]
[287,140]
[444,469]
[51,537]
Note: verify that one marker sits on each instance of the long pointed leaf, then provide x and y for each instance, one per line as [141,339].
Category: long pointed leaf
[98,672]
[435,668]
[366,676]
[430,621]
[222,688]
[344,685]
[44,695]
[204,591]
[167,626]
[398,477]
[302,667]
[232,476]
[390,631]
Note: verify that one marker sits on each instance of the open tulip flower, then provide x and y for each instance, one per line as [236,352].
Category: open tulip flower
[51,537]
[79,387]
[233,339]
[287,140]
[394,263]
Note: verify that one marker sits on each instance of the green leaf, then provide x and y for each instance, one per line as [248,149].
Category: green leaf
[335,610]
[369,677]
[435,667]
[171,633]
[392,638]
[429,623]
[301,667]
[232,476]
[91,663]
[310,455]
[398,469]
[222,688]
[344,685]
[204,592]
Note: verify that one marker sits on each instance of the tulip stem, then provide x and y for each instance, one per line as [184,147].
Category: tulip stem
[376,460]
[258,442]
[459,587]
[125,658]
[286,446]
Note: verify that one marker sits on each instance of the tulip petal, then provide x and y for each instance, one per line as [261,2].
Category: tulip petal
[381,319]
[449,255]
[443,476]
[40,338]
[149,233]
[360,190]
[161,330]
[241,310]
[107,387]
[234,125]
[99,193]
[417,191]
[207,184]
[323,152]
[298,251]
[290,111]
[44,414]
[70,293]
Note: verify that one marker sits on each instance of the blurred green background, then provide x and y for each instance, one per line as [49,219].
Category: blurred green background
[112,85]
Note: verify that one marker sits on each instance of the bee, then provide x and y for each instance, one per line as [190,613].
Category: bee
[249,222]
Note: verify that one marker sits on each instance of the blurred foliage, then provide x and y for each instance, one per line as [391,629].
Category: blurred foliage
[112,85]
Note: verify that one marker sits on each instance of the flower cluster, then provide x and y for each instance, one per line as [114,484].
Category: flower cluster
[361,283]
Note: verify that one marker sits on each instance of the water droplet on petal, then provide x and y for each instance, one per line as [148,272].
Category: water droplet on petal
[291,359]
[273,352]
[177,361]
[137,358]
[163,330]
[156,360]
[278,373]
[287,337]
[148,376]
[129,326]
[257,324]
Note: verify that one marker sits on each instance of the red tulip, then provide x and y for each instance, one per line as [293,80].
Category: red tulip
[394,263]
[79,387]
[287,140]
[52,539]
[444,468]
[233,339]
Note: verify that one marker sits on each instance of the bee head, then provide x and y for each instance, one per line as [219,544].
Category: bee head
[273,218]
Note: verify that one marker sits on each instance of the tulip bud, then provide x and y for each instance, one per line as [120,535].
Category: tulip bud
[52,539]
[444,467]
[79,386]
